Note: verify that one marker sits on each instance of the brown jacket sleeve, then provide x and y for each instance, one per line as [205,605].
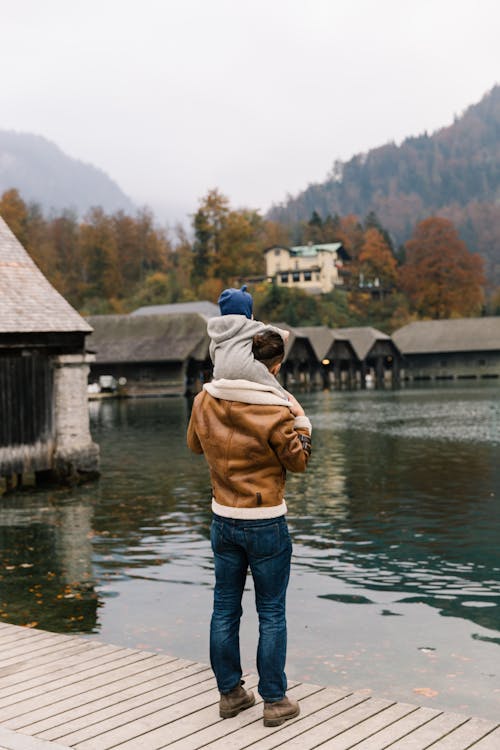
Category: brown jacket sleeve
[193,440]
[291,445]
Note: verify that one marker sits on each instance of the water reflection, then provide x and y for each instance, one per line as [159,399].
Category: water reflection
[396,520]
[417,515]
[46,575]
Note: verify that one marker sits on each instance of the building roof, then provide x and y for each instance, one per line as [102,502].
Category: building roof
[457,335]
[148,338]
[298,343]
[203,307]
[322,338]
[312,251]
[363,339]
[28,302]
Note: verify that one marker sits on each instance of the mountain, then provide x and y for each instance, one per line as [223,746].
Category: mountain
[455,173]
[44,174]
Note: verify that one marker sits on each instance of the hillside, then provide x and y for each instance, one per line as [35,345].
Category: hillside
[455,173]
[44,174]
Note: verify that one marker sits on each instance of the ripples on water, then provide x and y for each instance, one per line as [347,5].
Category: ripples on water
[396,528]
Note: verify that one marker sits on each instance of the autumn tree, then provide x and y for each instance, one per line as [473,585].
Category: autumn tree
[14,212]
[441,278]
[208,223]
[99,254]
[376,263]
[228,244]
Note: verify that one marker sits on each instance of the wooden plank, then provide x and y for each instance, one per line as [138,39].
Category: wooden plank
[17,633]
[30,646]
[15,741]
[490,742]
[463,737]
[160,700]
[366,729]
[73,715]
[105,674]
[337,724]
[67,662]
[245,729]
[112,660]
[398,729]
[133,732]
[71,661]
[429,733]
[12,636]
[22,656]
[174,728]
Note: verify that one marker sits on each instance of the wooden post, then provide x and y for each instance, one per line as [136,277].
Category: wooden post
[396,379]
[336,370]
[362,374]
[379,371]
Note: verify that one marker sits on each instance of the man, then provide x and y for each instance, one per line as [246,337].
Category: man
[250,435]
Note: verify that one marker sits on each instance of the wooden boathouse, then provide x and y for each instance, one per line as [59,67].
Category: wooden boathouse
[151,355]
[44,421]
[377,353]
[336,360]
[467,348]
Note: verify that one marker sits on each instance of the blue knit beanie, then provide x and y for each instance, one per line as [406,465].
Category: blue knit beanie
[236,302]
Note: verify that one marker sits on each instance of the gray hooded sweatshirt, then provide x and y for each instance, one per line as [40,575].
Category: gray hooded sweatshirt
[231,350]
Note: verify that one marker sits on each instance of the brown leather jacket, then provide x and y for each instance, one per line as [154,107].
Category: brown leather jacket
[248,448]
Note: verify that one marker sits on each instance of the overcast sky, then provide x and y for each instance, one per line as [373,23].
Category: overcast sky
[255,97]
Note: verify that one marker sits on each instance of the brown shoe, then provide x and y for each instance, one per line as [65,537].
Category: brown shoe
[277,713]
[238,699]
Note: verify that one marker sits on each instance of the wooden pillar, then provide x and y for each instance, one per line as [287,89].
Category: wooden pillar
[379,371]
[363,369]
[396,372]
[351,374]
[337,374]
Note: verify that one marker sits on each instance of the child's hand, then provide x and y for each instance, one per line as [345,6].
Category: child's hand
[295,407]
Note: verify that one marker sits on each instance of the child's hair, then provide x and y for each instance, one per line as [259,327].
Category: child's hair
[268,347]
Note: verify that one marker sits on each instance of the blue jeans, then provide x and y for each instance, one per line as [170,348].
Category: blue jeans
[266,547]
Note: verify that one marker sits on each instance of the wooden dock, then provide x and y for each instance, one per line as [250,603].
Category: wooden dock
[61,691]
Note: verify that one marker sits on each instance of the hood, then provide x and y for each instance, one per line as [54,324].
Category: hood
[225,327]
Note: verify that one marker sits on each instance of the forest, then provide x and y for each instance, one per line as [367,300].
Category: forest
[453,173]
[114,263]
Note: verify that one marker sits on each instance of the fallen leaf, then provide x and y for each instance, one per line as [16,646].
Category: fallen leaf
[427,692]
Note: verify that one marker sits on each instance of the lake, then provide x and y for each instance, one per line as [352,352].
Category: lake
[396,527]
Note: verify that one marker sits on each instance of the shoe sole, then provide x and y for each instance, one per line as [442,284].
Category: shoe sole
[231,713]
[281,720]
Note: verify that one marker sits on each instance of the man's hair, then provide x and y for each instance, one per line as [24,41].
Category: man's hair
[268,347]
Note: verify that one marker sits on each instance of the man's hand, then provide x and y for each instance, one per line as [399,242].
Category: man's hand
[295,407]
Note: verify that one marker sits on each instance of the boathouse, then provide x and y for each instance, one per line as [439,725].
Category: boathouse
[300,362]
[44,420]
[379,357]
[151,355]
[467,348]
[335,359]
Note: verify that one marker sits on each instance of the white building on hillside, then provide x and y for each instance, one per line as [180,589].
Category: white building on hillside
[315,268]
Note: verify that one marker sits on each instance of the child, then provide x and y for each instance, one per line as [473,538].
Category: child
[231,337]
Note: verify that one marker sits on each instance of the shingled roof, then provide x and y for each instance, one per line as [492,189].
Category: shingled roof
[322,339]
[202,307]
[28,302]
[457,335]
[148,338]
[363,339]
